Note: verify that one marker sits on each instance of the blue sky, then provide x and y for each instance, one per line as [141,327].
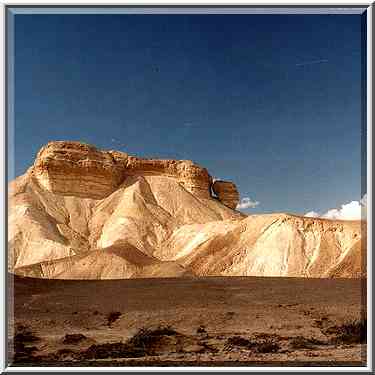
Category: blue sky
[271,102]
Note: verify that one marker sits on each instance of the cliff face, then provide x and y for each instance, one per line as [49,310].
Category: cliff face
[73,168]
[227,193]
[83,213]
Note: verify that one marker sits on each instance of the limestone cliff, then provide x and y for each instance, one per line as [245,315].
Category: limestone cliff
[77,169]
[227,193]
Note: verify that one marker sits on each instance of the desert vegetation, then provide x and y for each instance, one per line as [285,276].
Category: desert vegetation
[112,317]
[350,332]
[164,340]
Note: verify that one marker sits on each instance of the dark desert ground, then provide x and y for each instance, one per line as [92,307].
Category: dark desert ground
[212,321]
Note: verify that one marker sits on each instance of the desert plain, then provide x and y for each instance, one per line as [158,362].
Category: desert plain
[211,321]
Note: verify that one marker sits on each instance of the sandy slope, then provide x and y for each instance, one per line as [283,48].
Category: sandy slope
[115,262]
[152,225]
[269,245]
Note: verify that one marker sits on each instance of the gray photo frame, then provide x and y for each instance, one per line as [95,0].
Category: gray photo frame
[11,170]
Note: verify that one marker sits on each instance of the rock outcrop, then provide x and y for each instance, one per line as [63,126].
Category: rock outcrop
[227,193]
[78,169]
[192,177]
[81,213]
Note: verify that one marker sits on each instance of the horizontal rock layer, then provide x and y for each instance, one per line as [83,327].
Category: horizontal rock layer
[74,168]
[227,193]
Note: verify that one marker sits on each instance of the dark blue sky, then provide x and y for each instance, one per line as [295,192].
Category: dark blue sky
[271,102]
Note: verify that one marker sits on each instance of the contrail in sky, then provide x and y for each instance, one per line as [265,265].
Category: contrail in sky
[312,62]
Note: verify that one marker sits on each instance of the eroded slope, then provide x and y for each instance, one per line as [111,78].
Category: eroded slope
[84,213]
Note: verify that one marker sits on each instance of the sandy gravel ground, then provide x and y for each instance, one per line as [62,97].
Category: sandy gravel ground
[231,321]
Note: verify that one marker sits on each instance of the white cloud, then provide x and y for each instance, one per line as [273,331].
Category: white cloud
[246,203]
[349,211]
[354,210]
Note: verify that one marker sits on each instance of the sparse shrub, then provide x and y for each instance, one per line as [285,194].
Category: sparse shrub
[141,344]
[164,331]
[19,327]
[301,342]
[112,317]
[65,355]
[113,350]
[23,353]
[148,339]
[258,345]
[352,332]
[23,334]
[146,336]
[26,337]
[208,348]
[142,338]
[201,329]
[238,341]
[61,355]
[267,346]
[74,338]
[322,322]
[266,336]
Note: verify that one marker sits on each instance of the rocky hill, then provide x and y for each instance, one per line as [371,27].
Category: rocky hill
[83,213]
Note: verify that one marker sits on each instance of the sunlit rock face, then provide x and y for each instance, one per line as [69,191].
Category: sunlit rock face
[82,213]
[192,177]
[227,193]
[278,245]
[78,169]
